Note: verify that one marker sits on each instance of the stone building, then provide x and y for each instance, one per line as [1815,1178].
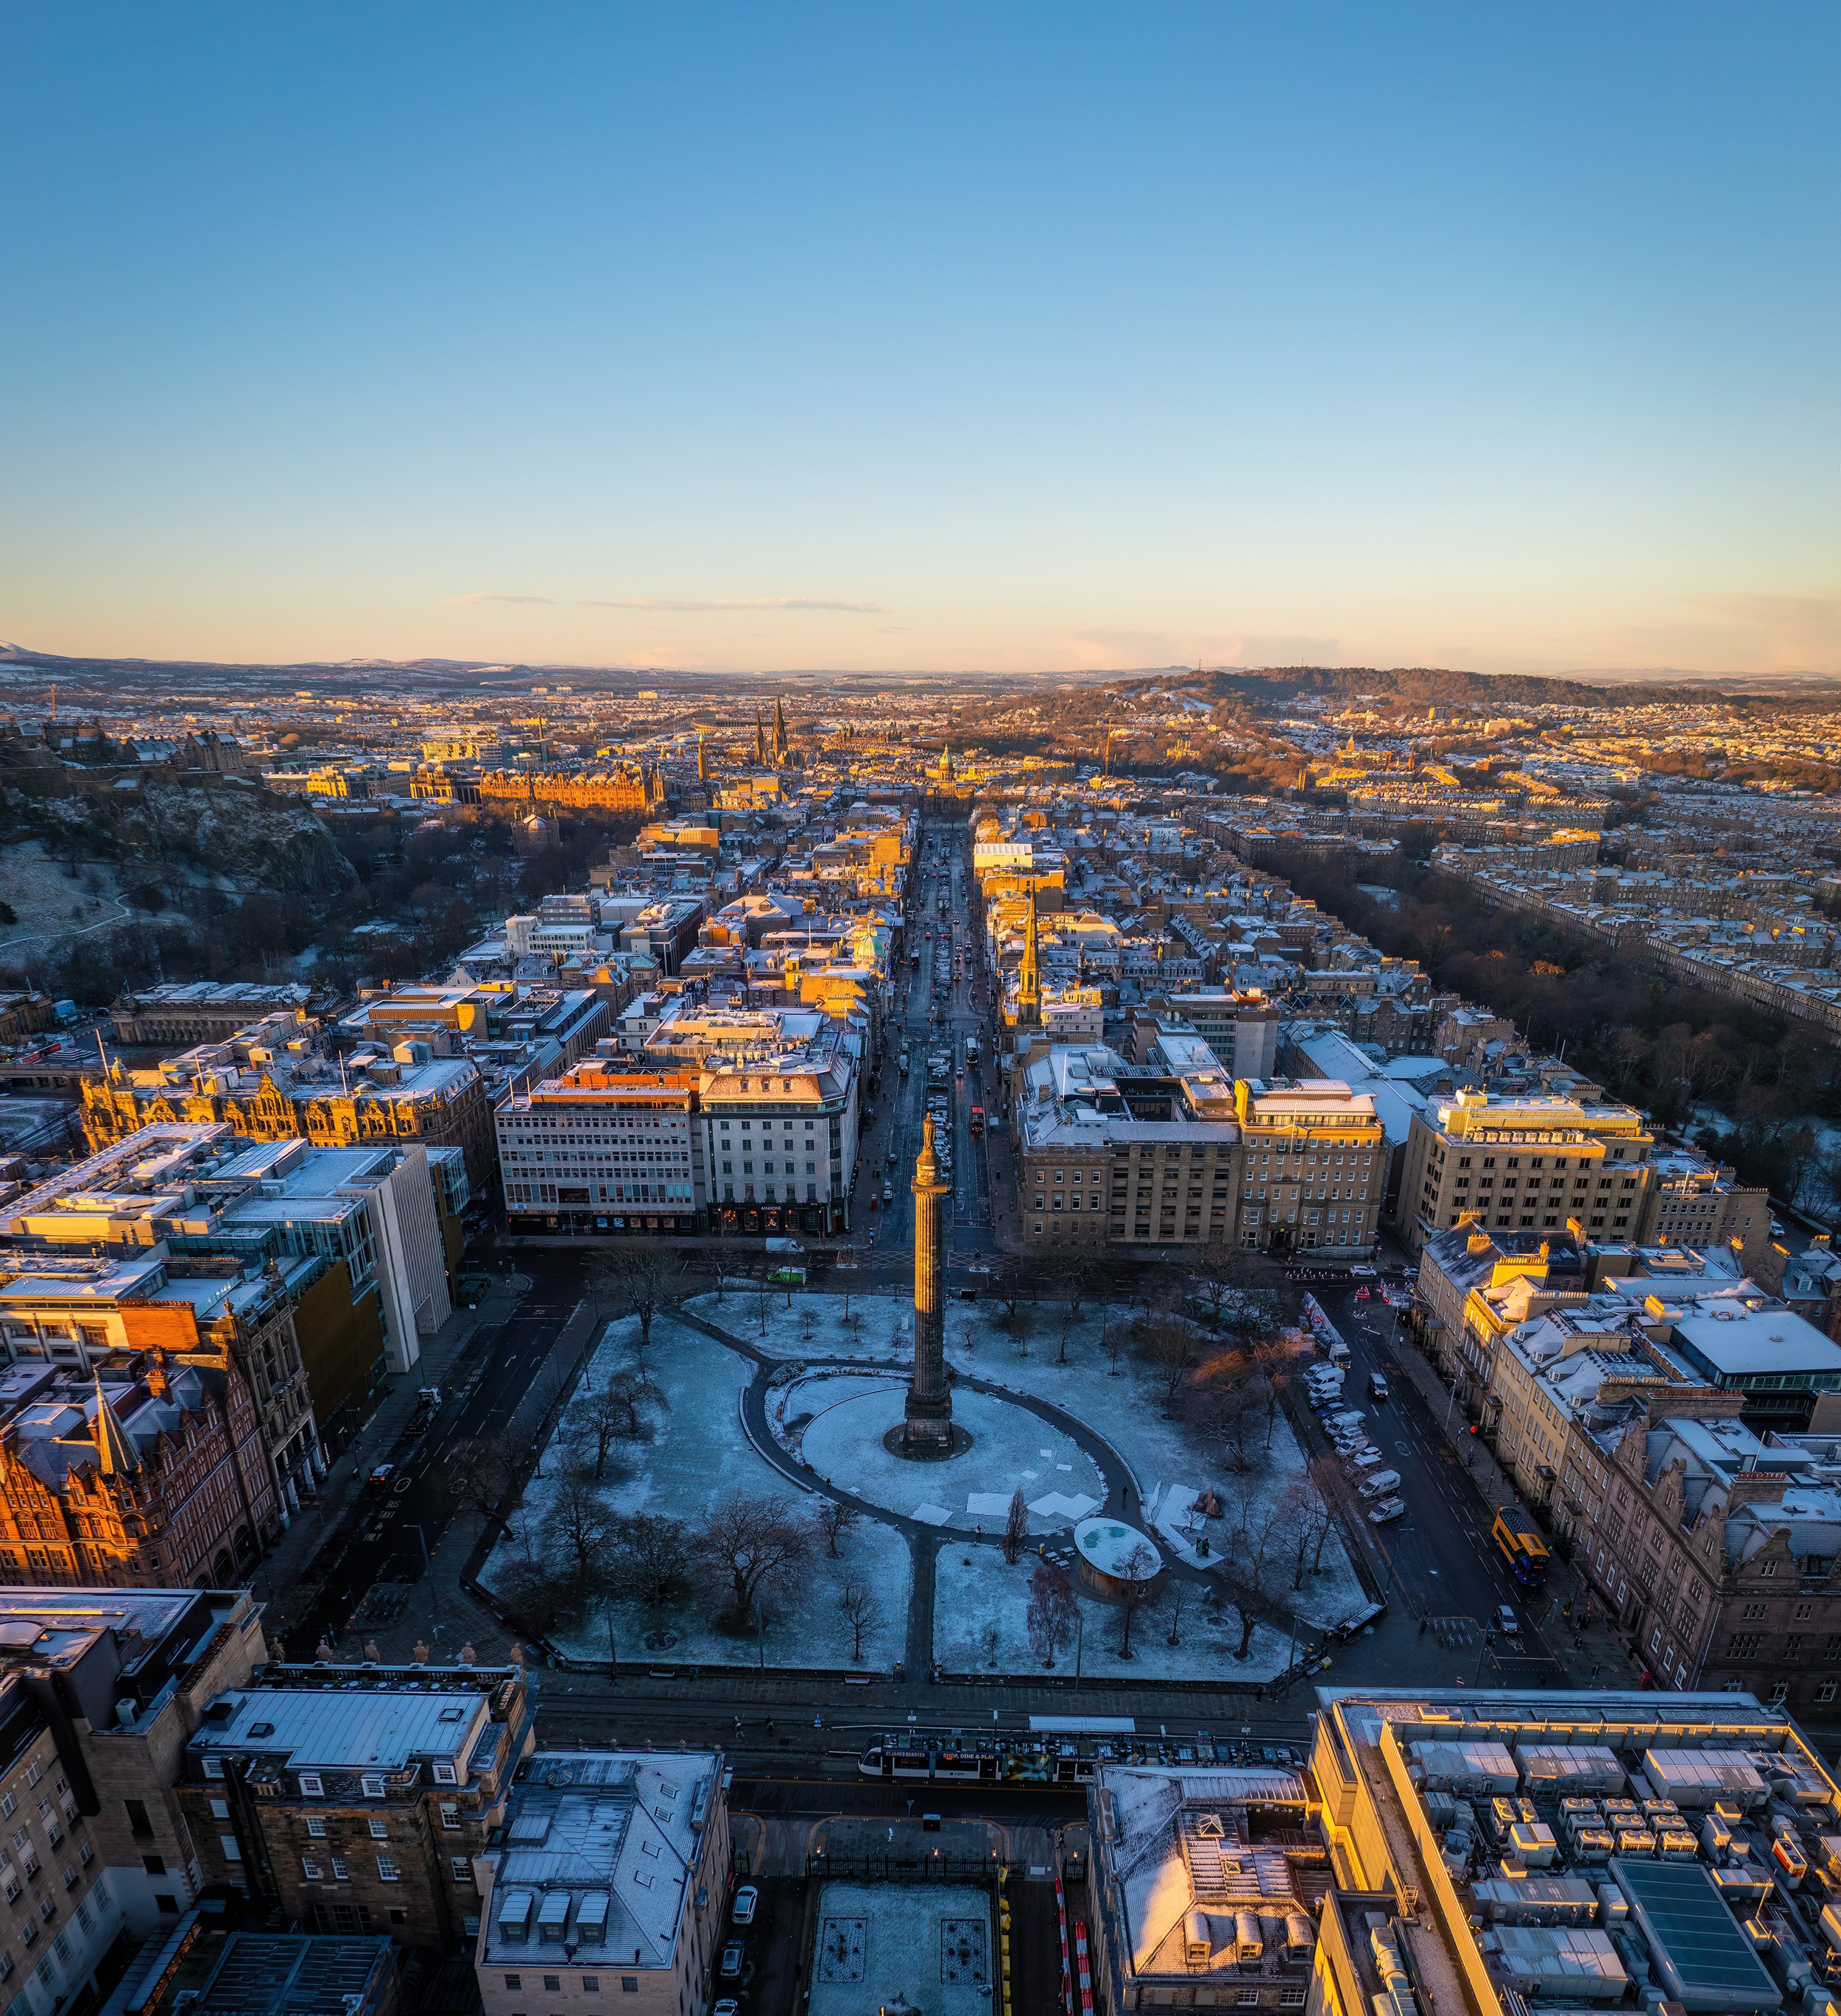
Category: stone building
[123,1679]
[608,1885]
[355,1799]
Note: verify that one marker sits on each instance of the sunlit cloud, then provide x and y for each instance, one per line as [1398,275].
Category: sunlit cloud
[660,605]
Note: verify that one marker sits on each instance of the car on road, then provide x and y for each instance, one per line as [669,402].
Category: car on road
[1776,1228]
[727,2007]
[1506,1622]
[1377,1386]
[748,1900]
[1389,1508]
[888,1192]
[729,1967]
[382,1475]
[1363,1272]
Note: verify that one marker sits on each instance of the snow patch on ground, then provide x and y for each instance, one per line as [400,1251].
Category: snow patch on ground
[980,1607]
[836,1422]
[1168,1464]
[700,1455]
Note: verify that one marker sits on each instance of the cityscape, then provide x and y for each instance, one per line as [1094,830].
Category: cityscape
[959,1324]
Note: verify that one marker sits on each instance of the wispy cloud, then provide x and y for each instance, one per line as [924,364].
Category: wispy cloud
[659,605]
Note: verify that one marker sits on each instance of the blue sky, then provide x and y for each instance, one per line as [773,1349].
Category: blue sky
[1012,335]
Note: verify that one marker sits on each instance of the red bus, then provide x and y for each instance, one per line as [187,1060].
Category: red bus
[978,1120]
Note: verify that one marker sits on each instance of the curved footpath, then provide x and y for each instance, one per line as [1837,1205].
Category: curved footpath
[1123,1491]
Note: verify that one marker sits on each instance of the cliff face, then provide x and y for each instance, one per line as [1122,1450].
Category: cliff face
[232,832]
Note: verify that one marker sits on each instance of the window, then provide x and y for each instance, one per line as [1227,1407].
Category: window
[553,1984]
[444,1774]
[139,1824]
[310,1869]
[514,1982]
[450,1816]
[214,1767]
[316,1827]
[1826,1691]
[310,1786]
[629,1984]
[1744,1644]
[228,1844]
[379,1830]
[371,1784]
[387,1869]
[155,1865]
[341,1872]
[459,1869]
[591,1983]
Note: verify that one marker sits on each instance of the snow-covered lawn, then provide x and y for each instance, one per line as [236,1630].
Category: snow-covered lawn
[1168,1463]
[700,1455]
[977,1594]
[836,1422]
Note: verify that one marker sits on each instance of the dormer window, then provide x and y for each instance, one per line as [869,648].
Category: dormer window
[311,1785]
[444,1775]
[214,1767]
[371,1784]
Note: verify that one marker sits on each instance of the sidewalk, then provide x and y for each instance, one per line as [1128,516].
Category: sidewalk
[290,1558]
[1593,1656]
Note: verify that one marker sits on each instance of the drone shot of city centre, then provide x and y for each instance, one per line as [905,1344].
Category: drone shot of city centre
[920,1009]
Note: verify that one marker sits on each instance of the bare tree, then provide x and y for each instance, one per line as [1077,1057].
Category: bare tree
[1016,1526]
[835,1519]
[1136,1572]
[610,1413]
[1179,1596]
[1257,1551]
[641,1280]
[987,1643]
[650,1559]
[479,1476]
[577,1525]
[754,1542]
[1021,1322]
[1223,1403]
[1051,1615]
[861,1611]
[1164,1344]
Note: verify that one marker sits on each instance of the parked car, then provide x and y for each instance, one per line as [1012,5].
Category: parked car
[729,1967]
[1363,1460]
[747,1901]
[1389,1508]
[1383,1484]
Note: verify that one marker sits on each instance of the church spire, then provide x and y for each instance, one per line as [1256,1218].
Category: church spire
[760,740]
[115,1453]
[779,733]
[1029,977]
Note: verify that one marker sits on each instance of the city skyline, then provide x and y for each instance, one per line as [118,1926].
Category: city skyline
[1052,342]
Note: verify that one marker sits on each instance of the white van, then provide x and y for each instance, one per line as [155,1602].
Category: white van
[1379,1484]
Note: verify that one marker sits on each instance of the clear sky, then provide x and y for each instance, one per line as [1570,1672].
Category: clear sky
[1498,336]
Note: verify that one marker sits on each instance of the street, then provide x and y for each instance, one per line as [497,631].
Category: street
[1442,1565]
[391,1532]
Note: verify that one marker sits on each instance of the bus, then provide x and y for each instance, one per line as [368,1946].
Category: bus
[978,1120]
[1518,1540]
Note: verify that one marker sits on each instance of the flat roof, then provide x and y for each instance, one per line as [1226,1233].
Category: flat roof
[364,1728]
[1736,1342]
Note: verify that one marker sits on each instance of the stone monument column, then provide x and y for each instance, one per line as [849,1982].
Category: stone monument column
[927,1423]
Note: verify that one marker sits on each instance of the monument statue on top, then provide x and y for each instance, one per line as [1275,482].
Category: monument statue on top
[927,1426]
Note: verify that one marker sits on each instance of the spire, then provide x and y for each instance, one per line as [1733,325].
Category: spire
[702,768]
[779,733]
[115,1453]
[927,1163]
[760,740]
[1029,978]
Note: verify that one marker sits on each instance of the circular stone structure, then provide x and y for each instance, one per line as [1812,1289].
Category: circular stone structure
[1105,1547]
[844,1424]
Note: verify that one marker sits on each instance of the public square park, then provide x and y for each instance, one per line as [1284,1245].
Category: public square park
[1107,1493]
